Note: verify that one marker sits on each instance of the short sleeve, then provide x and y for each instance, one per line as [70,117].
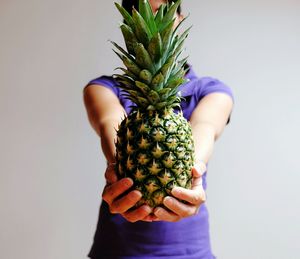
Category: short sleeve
[210,85]
[106,81]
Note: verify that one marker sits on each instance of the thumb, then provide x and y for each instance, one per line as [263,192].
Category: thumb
[110,173]
[199,169]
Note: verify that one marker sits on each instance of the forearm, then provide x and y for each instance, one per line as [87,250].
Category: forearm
[105,129]
[107,133]
[204,139]
[104,114]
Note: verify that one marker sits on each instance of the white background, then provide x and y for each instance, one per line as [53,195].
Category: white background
[51,166]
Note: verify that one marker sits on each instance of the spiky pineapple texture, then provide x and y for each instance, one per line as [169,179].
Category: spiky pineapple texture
[155,146]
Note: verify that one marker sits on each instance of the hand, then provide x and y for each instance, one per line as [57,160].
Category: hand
[195,197]
[114,189]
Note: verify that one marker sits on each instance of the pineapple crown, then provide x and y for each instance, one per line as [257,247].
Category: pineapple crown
[153,72]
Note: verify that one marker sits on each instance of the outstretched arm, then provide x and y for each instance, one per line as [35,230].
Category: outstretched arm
[208,121]
[105,113]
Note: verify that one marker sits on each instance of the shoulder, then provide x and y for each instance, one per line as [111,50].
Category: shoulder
[210,84]
[106,81]
[198,87]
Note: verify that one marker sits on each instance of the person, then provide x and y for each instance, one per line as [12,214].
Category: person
[182,230]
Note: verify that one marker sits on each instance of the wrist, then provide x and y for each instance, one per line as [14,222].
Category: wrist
[201,165]
[110,163]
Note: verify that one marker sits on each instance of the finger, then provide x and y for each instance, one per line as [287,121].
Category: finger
[111,192]
[194,196]
[163,214]
[140,213]
[199,169]
[179,208]
[110,174]
[151,218]
[197,184]
[126,202]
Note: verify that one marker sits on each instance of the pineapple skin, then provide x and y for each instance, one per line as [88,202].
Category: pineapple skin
[156,150]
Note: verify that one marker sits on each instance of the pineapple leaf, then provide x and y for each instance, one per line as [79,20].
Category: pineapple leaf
[175,82]
[143,101]
[143,58]
[171,12]
[127,17]
[167,34]
[131,66]
[164,93]
[179,25]
[127,73]
[168,66]
[161,105]
[155,47]
[151,108]
[146,76]
[157,81]
[141,28]
[143,87]
[124,52]
[159,15]
[129,38]
[146,12]
[183,36]
[153,97]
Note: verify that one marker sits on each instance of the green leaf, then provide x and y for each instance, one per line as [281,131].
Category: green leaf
[159,15]
[142,87]
[129,37]
[143,58]
[141,28]
[153,97]
[155,47]
[142,101]
[146,76]
[164,93]
[167,67]
[171,12]
[131,66]
[127,73]
[183,36]
[166,35]
[157,81]
[161,105]
[124,52]
[180,23]
[127,17]
[146,12]
[175,82]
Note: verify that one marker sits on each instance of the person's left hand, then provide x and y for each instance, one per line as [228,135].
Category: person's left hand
[178,210]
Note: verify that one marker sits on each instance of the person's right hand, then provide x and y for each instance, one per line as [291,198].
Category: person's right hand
[114,188]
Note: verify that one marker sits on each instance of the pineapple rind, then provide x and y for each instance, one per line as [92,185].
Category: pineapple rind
[152,163]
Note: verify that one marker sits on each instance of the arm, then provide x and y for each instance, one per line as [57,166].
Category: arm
[207,121]
[105,113]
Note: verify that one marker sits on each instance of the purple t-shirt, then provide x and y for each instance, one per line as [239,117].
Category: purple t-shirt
[189,238]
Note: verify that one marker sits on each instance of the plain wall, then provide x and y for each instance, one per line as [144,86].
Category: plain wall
[51,162]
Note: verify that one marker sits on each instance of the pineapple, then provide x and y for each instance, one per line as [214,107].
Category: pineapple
[154,144]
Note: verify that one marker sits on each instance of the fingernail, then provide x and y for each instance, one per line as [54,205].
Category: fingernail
[158,211]
[137,194]
[128,182]
[176,191]
[147,209]
[168,200]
